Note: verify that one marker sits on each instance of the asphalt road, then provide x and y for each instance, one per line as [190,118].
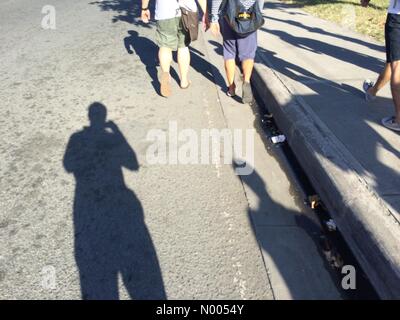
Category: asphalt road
[176,231]
[82,212]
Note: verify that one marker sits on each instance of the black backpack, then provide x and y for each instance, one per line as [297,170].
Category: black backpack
[242,21]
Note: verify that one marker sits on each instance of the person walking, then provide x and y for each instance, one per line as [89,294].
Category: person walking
[172,36]
[237,43]
[391,71]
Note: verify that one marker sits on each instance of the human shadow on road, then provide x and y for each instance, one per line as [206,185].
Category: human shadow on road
[205,68]
[129,11]
[111,237]
[218,49]
[147,51]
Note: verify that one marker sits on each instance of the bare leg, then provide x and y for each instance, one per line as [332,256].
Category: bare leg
[383,79]
[184,64]
[395,86]
[247,93]
[165,57]
[230,67]
[247,66]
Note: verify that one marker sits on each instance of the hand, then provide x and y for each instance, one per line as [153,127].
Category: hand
[364,3]
[206,22]
[215,29]
[110,124]
[146,16]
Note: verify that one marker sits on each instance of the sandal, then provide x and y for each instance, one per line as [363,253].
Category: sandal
[229,93]
[368,84]
[247,96]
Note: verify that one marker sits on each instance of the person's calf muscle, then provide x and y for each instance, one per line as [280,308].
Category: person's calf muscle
[165,57]
[395,86]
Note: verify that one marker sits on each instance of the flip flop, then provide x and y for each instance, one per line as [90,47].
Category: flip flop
[165,83]
[390,123]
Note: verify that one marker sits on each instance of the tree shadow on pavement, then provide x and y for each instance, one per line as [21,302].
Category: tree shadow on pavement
[302,3]
[344,115]
[326,33]
[111,237]
[127,10]
[297,73]
[331,50]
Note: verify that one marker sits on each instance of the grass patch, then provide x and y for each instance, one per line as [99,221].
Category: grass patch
[349,13]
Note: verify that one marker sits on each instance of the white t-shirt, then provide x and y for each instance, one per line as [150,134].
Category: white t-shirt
[168,9]
[394,7]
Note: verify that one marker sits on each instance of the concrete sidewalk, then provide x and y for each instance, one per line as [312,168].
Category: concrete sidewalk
[313,71]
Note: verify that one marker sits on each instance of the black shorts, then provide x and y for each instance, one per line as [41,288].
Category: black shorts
[392,37]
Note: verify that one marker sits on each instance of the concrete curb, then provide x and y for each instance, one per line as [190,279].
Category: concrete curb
[367,224]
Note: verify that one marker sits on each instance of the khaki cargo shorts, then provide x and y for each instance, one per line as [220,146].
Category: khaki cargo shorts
[170,34]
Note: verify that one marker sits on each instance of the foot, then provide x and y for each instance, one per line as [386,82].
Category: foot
[185,85]
[247,96]
[165,83]
[390,123]
[367,87]
[231,92]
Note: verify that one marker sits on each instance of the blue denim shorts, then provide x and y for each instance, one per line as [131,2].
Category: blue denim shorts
[392,37]
[235,46]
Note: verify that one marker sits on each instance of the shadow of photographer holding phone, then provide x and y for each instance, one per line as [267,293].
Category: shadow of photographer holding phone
[111,237]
